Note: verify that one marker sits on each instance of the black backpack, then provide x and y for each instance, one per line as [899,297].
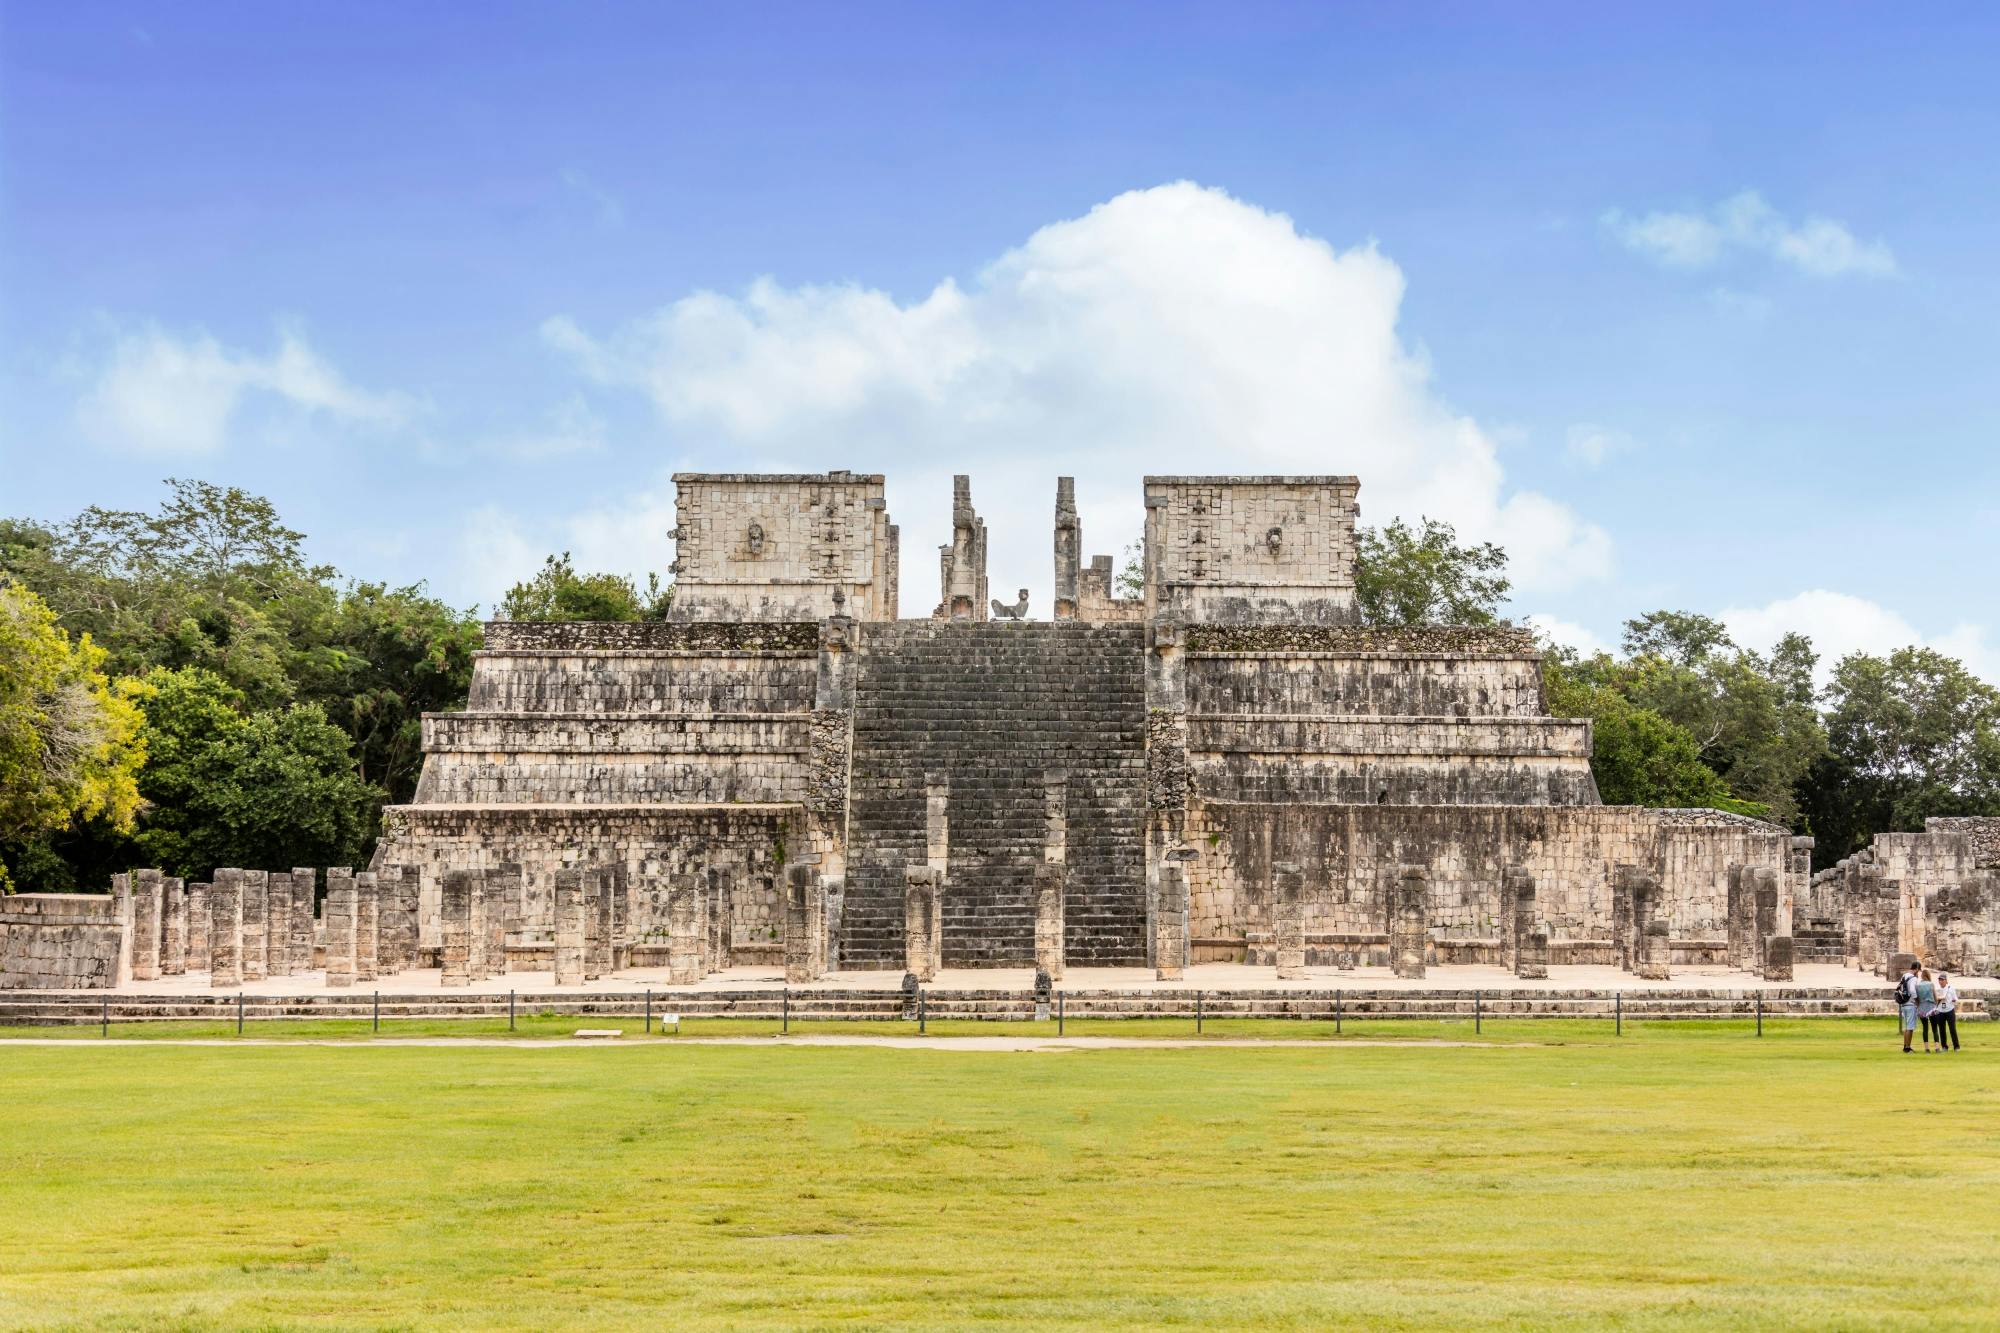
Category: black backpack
[1902,992]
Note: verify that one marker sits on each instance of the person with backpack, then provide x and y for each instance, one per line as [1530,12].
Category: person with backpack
[1945,1019]
[1906,1004]
[1926,1004]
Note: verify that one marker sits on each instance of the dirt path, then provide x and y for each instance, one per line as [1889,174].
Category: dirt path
[829,1039]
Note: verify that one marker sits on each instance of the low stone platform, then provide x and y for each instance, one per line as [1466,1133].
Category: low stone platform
[1218,990]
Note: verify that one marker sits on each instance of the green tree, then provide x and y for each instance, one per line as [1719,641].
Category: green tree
[1637,756]
[1912,735]
[233,788]
[1424,576]
[558,592]
[70,743]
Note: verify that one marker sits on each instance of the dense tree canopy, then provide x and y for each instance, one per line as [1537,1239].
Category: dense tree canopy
[1424,576]
[558,592]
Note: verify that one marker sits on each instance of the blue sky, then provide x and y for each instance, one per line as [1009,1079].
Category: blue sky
[1691,309]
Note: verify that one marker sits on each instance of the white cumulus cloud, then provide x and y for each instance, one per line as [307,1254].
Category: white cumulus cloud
[1566,633]
[1841,623]
[1745,224]
[1168,330]
[162,393]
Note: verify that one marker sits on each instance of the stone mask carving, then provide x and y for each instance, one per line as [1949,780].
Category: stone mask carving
[755,538]
[1274,539]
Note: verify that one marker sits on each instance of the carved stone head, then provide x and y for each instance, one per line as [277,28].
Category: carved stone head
[754,539]
[1274,539]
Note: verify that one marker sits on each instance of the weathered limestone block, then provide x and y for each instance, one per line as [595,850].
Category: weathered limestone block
[1778,958]
[197,927]
[620,934]
[461,889]
[805,923]
[922,922]
[173,927]
[409,912]
[123,909]
[598,886]
[1288,922]
[279,911]
[147,896]
[1654,952]
[1069,550]
[570,913]
[367,926]
[962,563]
[1170,922]
[1764,915]
[687,930]
[342,911]
[1050,882]
[302,932]
[225,929]
[256,924]
[1532,963]
[1524,933]
[1409,921]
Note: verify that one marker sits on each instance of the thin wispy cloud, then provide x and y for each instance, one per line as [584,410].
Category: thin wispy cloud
[609,209]
[1745,225]
[1591,444]
[154,391]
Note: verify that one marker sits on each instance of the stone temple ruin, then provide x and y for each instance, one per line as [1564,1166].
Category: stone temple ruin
[1226,768]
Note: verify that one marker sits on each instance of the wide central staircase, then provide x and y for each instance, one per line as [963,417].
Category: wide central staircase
[991,708]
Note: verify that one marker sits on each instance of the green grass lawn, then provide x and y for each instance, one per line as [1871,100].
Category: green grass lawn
[1681,1177]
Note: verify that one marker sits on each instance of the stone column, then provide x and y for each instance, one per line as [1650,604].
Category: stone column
[367,926]
[620,936]
[1409,921]
[721,938]
[509,884]
[1624,940]
[123,907]
[225,929]
[1778,958]
[1170,922]
[597,924]
[147,895]
[570,920]
[1523,926]
[687,932]
[476,935]
[256,924]
[805,924]
[1069,550]
[342,922]
[410,903]
[173,928]
[462,889]
[1739,922]
[197,959]
[1049,887]
[279,914]
[1764,896]
[920,921]
[1649,928]
[303,930]
[1288,920]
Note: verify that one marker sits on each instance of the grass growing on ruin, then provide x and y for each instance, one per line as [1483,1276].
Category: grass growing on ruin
[1687,1176]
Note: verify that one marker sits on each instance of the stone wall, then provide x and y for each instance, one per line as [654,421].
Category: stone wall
[61,941]
[1250,550]
[782,547]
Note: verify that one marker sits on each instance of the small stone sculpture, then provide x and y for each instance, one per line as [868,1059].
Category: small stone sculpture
[755,538]
[1002,611]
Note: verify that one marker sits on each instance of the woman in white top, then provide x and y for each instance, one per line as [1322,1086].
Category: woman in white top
[1944,1019]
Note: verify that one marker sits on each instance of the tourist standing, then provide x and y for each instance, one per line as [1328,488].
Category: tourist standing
[1926,1004]
[1906,1004]
[1945,1020]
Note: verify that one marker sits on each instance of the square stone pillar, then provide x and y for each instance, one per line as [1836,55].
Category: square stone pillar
[1624,940]
[278,917]
[1649,925]
[1778,958]
[225,929]
[173,928]
[721,936]
[597,924]
[1765,894]
[341,924]
[805,924]
[922,923]
[1170,922]
[410,906]
[197,927]
[256,924]
[1409,921]
[147,897]
[476,935]
[303,929]
[1051,882]
[1528,938]
[507,889]
[619,935]
[687,929]
[462,889]
[122,907]
[1288,920]
[570,911]
[367,927]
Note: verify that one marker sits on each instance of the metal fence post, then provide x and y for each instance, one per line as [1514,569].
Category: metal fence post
[1059,1013]
[1760,1013]
[107,1017]
[239,1013]
[1197,1013]
[1336,1011]
[785,1026]
[1618,1012]
[378,1011]
[1477,1015]
[649,1010]
[920,1013]
[510,1011]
